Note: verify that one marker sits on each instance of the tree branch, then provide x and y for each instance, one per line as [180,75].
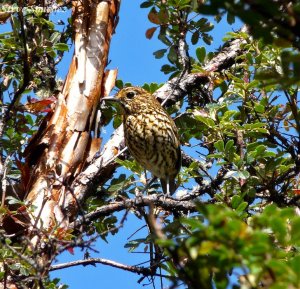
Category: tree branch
[93,261]
[102,168]
[175,90]
[183,204]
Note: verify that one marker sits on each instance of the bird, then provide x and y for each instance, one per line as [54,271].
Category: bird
[150,134]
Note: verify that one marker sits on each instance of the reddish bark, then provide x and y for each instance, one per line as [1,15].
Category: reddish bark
[58,152]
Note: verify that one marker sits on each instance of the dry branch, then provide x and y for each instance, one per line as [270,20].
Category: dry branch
[185,204]
[93,261]
[175,89]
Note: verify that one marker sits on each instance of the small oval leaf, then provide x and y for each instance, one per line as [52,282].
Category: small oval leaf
[200,53]
[153,16]
[159,53]
[149,33]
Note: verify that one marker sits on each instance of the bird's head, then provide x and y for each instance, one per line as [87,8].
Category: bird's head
[130,98]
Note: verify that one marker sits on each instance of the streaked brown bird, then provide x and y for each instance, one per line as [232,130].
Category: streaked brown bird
[150,135]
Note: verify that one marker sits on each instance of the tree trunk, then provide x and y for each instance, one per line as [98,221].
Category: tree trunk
[58,152]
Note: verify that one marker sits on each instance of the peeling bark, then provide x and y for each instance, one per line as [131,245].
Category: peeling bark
[64,142]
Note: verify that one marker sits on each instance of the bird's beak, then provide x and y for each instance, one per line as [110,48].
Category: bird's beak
[110,98]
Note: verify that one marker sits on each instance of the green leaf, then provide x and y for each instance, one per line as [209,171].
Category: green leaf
[146,4]
[130,165]
[153,87]
[117,121]
[49,23]
[195,37]
[279,227]
[206,28]
[270,210]
[55,36]
[242,206]
[230,18]
[182,4]
[61,46]
[172,55]
[295,231]
[207,39]
[219,145]
[51,52]
[216,156]
[127,84]
[260,149]
[254,126]
[229,145]
[133,244]
[159,53]
[235,201]
[163,38]
[118,184]
[207,121]
[244,175]
[295,264]
[259,108]
[119,84]
[13,201]
[166,68]
[201,22]
[200,53]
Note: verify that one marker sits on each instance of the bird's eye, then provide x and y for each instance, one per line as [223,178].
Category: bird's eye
[130,94]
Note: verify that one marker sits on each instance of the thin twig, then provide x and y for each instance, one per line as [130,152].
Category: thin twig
[4,181]
[93,261]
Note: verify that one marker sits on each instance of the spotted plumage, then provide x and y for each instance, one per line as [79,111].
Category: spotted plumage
[151,135]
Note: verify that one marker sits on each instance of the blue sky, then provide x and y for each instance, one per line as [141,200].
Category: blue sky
[132,54]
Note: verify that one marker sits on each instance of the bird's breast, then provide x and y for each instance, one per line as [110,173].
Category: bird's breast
[153,142]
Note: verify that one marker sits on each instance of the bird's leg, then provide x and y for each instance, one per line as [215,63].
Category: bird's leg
[168,187]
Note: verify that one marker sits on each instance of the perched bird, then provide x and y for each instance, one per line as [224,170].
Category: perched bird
[150,135]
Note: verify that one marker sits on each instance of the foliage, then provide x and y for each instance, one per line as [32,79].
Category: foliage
[218,242]
[240,137]
[19,261]
[175,21]
[29,52]
[272,21]
[29,55]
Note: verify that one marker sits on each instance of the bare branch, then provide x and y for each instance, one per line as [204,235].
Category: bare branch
[183,204]
[93,261]
[176,88]
[3,172]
